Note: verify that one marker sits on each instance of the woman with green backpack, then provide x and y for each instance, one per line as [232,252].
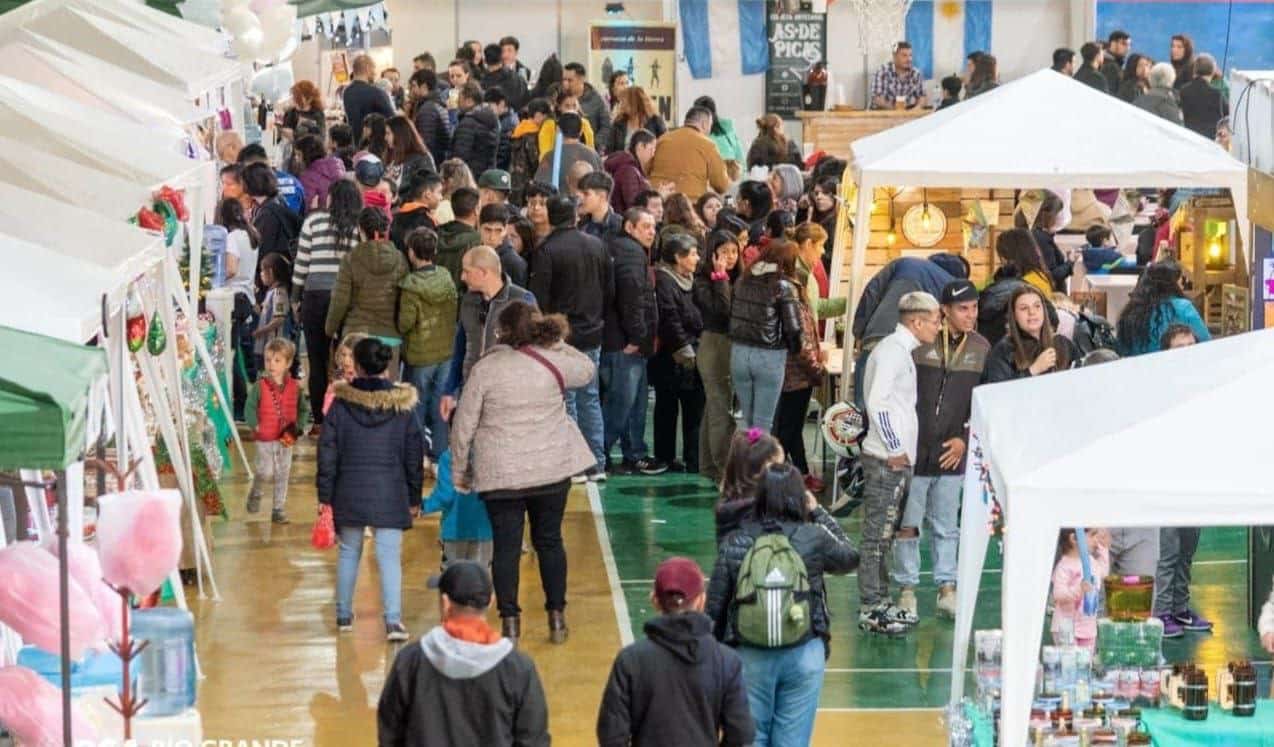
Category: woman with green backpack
[767,599]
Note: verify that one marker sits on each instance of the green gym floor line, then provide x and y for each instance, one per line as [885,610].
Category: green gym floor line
[651,518]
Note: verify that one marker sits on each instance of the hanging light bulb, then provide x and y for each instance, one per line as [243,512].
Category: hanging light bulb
[925,220]
[1214,250]
[890,238]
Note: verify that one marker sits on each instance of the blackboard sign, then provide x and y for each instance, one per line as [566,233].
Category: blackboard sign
[797,41]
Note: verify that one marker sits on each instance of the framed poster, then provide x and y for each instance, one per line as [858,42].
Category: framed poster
[646,51]
[797,39]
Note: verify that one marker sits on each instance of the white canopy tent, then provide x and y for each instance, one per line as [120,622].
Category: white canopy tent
[71,284]
[1042,131]
[1112,461]
[132,36]
[82,77]
[37,170]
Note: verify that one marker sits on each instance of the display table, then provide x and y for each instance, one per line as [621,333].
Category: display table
[1168,728]
[1117,289]
[834,131]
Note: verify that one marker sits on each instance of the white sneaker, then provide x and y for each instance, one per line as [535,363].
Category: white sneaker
[579,479]
[947,600]
[907,602]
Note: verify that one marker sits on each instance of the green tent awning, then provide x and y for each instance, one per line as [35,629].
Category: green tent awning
[44,390]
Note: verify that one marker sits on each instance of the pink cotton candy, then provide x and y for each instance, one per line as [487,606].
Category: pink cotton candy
[139,538]
[86,569]
[31,709]
[29,601]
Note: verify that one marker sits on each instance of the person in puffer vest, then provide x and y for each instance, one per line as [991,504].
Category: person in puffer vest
[277,411]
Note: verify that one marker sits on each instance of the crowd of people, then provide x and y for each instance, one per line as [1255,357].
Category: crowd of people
[489,272]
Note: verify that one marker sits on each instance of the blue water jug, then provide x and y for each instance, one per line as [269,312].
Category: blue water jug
[214,244]
[166,667]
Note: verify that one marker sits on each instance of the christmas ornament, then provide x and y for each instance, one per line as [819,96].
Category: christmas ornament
[156,338]
[135,321]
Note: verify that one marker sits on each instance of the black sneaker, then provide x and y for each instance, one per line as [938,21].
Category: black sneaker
[901,615]
[596,474]
[345,624]
[396,632]
[675,466]
[254,503]
[278,517]
[648,466]
[876,620]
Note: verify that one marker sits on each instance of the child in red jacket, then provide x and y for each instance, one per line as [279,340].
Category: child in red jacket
[278,411]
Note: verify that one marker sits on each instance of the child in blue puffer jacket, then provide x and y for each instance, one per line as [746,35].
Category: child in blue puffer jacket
[466,530]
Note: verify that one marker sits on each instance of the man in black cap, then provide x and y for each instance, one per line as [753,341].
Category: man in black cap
[946,372]
[571,274]
[493,188]
[679,686]
[462,683]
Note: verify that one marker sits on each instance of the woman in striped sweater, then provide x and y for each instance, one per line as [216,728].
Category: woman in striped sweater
[326,237]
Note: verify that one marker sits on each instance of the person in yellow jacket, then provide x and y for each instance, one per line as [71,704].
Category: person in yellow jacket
[548,130]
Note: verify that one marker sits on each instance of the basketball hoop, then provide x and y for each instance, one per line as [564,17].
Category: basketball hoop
[881,24]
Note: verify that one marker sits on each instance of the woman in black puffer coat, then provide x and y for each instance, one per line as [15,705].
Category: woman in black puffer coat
[673,370]
[784,682]
[765,327]
[369,472]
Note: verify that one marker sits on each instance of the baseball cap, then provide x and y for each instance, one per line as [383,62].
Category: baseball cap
[680,576]
[959,291]
[465,583]
[369,171]
[497,179]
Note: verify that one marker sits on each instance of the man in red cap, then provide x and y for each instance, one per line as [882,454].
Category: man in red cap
[679,686]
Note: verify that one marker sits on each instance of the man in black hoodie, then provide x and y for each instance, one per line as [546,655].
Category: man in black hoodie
[499,76]
[462,683]
[628,339]
[679,686]
[477,136]
[571,274]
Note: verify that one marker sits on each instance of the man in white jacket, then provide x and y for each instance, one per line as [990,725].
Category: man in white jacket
[889,453]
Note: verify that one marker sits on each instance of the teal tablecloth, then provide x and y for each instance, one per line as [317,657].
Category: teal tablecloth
[1169,729]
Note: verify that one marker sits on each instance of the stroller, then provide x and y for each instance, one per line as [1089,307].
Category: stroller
[844,427]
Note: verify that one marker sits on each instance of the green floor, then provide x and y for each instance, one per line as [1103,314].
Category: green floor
[651,518]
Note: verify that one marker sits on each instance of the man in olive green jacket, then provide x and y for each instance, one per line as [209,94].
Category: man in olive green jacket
[427,321]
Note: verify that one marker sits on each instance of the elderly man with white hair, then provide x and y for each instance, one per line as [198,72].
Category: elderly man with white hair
[889,455]
[1161,99]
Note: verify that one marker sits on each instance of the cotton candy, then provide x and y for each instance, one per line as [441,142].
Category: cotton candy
[86,569]
[139,538]
[29,601]
[31,709]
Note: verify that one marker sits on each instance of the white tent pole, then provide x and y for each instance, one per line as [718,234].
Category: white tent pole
[974,535]
[205,358]
[862,233]
[1030,540]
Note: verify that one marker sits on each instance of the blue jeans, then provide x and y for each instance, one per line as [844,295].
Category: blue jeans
[783,687]
[757,374]
[429,382]
[585,408]
[934,504]
[389,551]
[623,378]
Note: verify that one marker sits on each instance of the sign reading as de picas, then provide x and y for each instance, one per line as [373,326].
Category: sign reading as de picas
[797,41]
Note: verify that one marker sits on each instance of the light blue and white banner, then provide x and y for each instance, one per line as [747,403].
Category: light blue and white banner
[943,32]
[724,38]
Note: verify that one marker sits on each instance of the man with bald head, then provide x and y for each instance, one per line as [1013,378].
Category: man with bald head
[362,97]
[490,290]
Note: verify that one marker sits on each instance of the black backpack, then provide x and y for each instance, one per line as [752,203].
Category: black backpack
[1093,332]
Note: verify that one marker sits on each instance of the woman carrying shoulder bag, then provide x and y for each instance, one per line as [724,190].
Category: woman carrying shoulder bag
[513,443]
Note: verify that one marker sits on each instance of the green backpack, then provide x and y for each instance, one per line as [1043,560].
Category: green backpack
[771,595]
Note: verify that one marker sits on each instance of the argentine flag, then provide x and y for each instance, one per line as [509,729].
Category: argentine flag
[943,32]
[724,38]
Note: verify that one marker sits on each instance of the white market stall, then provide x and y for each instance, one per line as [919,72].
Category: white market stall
[114,145]
[1101,446]
[1041,131]
[37,170]
[71,284]
[78,75]
[145,41]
